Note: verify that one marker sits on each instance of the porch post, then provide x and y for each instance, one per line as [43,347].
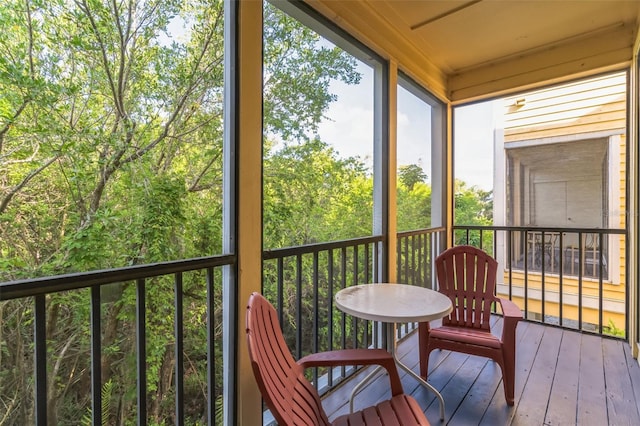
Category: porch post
[243,200]
[448,199]
[392,164]
[633,261]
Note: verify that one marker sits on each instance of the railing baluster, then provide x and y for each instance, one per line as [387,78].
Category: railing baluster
[96,358]
[424,259]
[280,290]
[40,359]
[355,282]
[542,274]
[525,235]
[367,269]
[343,284]
[299,306]
[560,281]
[510,257]
[412,279]
[367,263]
[406,260]
[379,246]
[179,349]
[316,312]
[600,282]
[141,350]
[211,348]
[580,283]
[331,310]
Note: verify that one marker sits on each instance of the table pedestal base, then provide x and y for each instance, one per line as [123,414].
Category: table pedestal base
[391,347]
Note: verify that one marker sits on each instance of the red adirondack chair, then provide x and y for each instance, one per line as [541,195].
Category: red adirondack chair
[468,276]
[292,399]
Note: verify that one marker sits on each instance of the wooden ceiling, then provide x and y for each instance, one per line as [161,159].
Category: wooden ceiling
[470,49]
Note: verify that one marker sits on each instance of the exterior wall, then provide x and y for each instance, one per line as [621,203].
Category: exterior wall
[578,112]
[613,298]
[598,105]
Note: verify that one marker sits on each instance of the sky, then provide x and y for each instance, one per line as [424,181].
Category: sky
[473,144]
[349,129]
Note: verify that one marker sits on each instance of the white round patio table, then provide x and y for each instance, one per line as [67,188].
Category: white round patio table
[392,304]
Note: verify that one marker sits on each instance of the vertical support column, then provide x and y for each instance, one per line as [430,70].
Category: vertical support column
[381,152]
[392,178]
[243,200]
[633,204]
[499,190]
[382,200]
[448,197]
[441,170]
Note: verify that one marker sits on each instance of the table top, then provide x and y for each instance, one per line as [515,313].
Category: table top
[389,302]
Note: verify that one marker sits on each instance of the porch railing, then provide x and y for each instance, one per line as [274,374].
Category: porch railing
[416,254]
[142,284]
[570,277]
[302,281]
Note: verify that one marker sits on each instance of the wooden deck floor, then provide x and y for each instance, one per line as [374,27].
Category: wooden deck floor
[562,378]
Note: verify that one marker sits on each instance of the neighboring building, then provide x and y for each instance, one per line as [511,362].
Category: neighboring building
[561,156]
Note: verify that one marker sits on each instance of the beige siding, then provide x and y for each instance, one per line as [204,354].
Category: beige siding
[582,107]
[613,297]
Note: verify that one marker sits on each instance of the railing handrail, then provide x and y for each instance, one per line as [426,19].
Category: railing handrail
[78,280]
[317,247]
[413,232]
[532,228]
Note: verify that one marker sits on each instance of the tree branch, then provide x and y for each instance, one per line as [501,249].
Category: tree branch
[194,185]
[5,201]
[103,50]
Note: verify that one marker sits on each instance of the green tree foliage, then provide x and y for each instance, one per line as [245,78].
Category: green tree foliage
[307,187]
[410,175]
[473,206]
[413,197]
[111,155]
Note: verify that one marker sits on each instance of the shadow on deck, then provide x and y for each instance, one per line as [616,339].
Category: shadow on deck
[563,377]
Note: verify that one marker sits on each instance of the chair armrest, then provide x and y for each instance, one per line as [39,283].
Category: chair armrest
[510,309]
[356,357]
[511,315]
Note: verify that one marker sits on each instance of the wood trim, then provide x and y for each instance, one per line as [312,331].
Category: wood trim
[602,53]
[367,24]
[249,215]
[392,208]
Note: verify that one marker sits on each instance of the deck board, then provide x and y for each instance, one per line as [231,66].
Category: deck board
[621,407]
[591,385]
[487,386]
[634,375]
[532,405]
[562,378]
[529,338]
[564,390]
[457,388]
